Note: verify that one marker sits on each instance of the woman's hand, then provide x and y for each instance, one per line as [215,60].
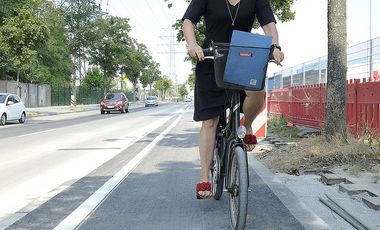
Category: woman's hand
[195,51]
[278,56]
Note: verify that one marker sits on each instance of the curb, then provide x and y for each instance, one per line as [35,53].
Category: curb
[299,210]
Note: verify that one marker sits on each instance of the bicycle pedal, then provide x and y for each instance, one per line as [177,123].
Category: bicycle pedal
[225,190]
[249,190]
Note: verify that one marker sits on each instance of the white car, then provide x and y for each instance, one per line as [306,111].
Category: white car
[11,108]
[151,101]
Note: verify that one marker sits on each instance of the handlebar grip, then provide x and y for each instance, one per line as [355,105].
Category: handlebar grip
[208,52]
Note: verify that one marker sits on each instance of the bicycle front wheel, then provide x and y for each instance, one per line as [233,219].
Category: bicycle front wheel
[238,188]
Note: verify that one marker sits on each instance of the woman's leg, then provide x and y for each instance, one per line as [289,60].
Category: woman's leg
[252,106]
[206,149]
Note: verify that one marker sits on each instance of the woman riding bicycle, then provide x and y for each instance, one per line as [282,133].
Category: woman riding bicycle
[221,18]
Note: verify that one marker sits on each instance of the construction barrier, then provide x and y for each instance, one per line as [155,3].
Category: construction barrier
[306,105]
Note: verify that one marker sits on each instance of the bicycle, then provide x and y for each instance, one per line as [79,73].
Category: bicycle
[229,168]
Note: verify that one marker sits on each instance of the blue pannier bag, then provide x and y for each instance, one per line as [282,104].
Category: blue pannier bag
[247,61]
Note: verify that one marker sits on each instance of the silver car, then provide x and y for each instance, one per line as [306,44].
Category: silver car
[11,108]
[151,101]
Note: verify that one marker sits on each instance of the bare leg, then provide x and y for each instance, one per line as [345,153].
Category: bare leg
[206,148]
[252,106]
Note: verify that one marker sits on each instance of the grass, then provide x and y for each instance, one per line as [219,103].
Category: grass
[355,170]
[278,126]
[314,152]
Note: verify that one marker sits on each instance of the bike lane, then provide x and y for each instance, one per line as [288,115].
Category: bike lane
[159,194]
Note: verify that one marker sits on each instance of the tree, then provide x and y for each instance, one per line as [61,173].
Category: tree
[150,75]
[136,60]
[78,15]
[163,84]
[335,123]
[9,8]
[23,35]
[109,45]
[191,81]
[94,78]
[183,91]
[55,56]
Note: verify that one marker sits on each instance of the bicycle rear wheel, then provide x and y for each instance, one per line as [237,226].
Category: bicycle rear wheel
[238,188]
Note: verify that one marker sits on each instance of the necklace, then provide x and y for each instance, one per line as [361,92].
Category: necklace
[229,11]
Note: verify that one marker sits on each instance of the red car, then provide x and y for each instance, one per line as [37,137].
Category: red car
[114,102]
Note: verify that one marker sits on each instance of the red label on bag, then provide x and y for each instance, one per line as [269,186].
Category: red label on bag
[244,54]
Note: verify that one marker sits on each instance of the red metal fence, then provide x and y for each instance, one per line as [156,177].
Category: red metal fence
[306,105]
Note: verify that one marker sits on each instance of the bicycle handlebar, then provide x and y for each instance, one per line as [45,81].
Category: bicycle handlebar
[209,52]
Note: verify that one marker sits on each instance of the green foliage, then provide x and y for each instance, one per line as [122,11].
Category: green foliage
[278,126]
[109,44]
[78,14]
[191,81]
[150,74]
[55,56]
[182,91]
[94,78]
[137,60]
[22,36]
[164,85]
[8,8]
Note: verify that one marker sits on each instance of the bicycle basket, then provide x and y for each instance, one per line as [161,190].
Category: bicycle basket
[242,64]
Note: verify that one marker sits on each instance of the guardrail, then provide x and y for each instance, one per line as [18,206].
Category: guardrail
[306,105]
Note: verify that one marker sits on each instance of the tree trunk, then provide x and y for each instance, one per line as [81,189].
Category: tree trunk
[335,123]
[18,83]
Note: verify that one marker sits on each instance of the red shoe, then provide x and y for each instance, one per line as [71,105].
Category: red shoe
[202,187]
[250,140]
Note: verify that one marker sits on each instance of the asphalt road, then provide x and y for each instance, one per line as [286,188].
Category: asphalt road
[119,171]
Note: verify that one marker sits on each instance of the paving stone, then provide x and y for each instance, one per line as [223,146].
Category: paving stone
[332,179]
[352,189]
[372,202]
[274,141]
[278,144]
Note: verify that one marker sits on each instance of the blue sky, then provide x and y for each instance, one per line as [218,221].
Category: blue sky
[302,40]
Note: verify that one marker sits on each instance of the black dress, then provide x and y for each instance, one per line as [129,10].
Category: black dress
[209,99]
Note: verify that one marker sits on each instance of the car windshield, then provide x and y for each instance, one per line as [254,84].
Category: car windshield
[2,98]
[151,98]
[113,96]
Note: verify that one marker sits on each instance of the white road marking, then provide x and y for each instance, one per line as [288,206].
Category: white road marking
[30,134]
[86,208]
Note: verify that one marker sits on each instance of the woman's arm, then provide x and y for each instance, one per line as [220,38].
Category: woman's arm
[271,30]
[193,48]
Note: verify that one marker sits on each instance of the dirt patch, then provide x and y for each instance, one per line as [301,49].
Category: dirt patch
[315,153]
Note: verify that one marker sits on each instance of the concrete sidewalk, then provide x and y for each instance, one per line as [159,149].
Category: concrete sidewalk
[55,110]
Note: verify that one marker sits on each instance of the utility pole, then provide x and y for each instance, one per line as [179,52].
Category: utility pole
[172,51]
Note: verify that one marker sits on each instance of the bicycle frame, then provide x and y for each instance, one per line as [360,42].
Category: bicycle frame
[229,136]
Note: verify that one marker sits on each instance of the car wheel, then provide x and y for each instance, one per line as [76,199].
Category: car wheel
[22,118]
[3,119]
[108,112]
[101,112]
